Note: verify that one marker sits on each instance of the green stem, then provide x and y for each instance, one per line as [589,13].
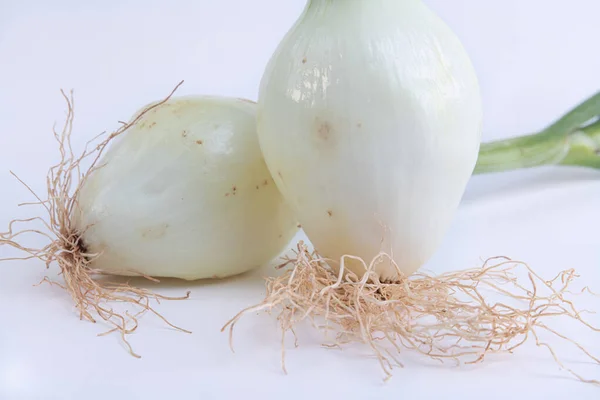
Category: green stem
[569,141]
[584,149]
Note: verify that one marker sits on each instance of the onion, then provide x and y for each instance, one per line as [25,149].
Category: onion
[370,116]
[182,192]
[185,193]
[370,120]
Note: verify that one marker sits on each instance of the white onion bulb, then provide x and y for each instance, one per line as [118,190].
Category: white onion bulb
[185,193]
[370,116]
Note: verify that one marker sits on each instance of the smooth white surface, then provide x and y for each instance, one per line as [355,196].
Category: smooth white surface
[346,115]
[188,177]
[535,59]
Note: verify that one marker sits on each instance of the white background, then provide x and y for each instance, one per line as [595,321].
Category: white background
[535,59]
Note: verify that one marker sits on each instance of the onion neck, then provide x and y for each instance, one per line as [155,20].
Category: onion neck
[573,140]
[320,4]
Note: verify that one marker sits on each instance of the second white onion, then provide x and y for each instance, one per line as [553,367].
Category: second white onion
[185,193]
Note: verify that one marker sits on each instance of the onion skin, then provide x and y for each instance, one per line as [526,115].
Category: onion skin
[370,122]
[185,193]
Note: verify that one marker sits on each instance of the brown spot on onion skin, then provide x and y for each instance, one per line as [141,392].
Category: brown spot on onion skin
[257,187]
[265,182]
[323,134]
[155,232]
[199,141]
[304,60]
[330,213]
[324,131]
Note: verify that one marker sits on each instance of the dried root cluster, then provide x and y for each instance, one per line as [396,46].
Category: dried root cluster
[445,317]
[65,247]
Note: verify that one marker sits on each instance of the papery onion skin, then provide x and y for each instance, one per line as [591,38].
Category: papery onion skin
[370,122]
[185,193]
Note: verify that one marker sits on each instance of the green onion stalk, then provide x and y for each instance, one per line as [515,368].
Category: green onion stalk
[573,140]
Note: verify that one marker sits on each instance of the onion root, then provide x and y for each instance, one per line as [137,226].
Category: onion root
[65,245]
[445,317]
